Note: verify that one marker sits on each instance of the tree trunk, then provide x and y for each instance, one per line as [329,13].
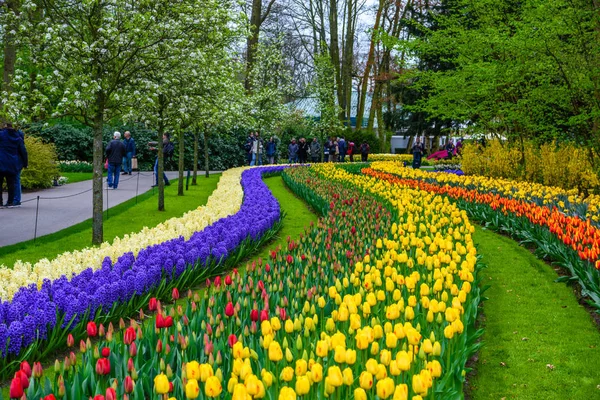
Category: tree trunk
[181,160]
[98,167]
[334,53]
[348,61]
[161,160]
[194,183]
[252,40]
[10,48]
[370,59]
[206,153]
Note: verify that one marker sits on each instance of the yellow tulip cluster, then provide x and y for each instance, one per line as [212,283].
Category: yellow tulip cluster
[224,201]
[395,314]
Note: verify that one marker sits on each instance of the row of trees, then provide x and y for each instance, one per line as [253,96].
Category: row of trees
[170,65]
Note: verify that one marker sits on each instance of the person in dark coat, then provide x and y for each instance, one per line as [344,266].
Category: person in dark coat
[303,149]
[18,189]
[293,152]
[417,151]
[115,151]
[13,158]
[271,150]
[315,150]
[129,152]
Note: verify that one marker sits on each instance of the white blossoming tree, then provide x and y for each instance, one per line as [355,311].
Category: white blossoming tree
[90,55]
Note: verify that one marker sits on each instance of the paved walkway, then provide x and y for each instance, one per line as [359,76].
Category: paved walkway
[63,206]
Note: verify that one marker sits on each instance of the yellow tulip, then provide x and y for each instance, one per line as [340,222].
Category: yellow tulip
[266,328]
[267,377]
[302,385]
[418,386]
[338,339]
[403,360]
[335,376]
[287,374]
[350,356]
[252,386]
[427,346]
[287,393]
[348,377]
[289,326]
[317,372]
[437,349]
[435,368]
[371,366]
[360,394]
[401,392]
[385,357]
[385,388]
[340,355]
[275,352]
[366,380]
[449,332]
[213,387]
[192,369]
[322,348]
[192,390]
[374,348]
[206,371]
[409,313]
[231,384]
[391,340]
[161,384]
[301,367]
[239,392]
[394,370]
[381,372]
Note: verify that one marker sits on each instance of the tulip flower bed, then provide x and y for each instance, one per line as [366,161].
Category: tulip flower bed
[378,299]
[38,319]
[549,218]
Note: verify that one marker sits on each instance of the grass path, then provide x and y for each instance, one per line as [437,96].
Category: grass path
[124,218]
[539,342]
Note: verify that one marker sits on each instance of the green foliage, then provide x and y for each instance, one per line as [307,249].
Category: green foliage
[42,164]
[359,136]
[72,141]
[324,88]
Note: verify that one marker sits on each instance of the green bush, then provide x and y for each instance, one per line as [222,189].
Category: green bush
[42,164]
[72,142]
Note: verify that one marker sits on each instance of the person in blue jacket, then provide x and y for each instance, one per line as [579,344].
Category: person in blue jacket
[271,150]
[129,152]
[13,158]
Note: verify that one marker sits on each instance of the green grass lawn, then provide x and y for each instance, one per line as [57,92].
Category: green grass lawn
[125,218]
[539,343]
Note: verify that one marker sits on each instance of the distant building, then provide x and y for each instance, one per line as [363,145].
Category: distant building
[309,106]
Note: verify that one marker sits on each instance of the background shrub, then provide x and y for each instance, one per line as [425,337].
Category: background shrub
[566,165]
[42,167]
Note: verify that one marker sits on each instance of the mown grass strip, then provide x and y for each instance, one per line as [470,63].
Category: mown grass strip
[125,218]
[539,343]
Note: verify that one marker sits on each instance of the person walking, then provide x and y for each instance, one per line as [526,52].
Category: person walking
[13,158]
[115,151]
[449,149]
[168,150]
[315,150]
[333,150]
[293,152]
[257,150]
[417,151]
[342,149]
[303,149]
[271,150]
[129,152]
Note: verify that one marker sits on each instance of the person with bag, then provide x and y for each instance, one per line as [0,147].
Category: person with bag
[115,151]
[364,151]
[129,153]
[168,150]
[351,150]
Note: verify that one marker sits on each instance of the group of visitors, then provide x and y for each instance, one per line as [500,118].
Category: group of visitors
[255,148]
[337,148]
[13,158]
[447,152]
[119,156]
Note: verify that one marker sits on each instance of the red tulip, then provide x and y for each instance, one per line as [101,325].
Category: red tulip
[168,321]
[264,315]
[261,286]
[101,330]
[128,384]
[99,397]
[92,329]
[235,272]
[228,280]
[254,315]
[16,389]
[229,309]
[152,304]
[282,314]
[175,294]
[38,371]
[82,346]
[159,346]
[290,259]
[103,366]
[25,367]
[105,352]
[273,254]
[50,397]
[267,268]
[129,335]
[170,387]
[70,340]
[207,282]
[232,340]
[160,321]
[132,349]
[111,394]
[24,379]
[130,365]
[218,281]
[353,230]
